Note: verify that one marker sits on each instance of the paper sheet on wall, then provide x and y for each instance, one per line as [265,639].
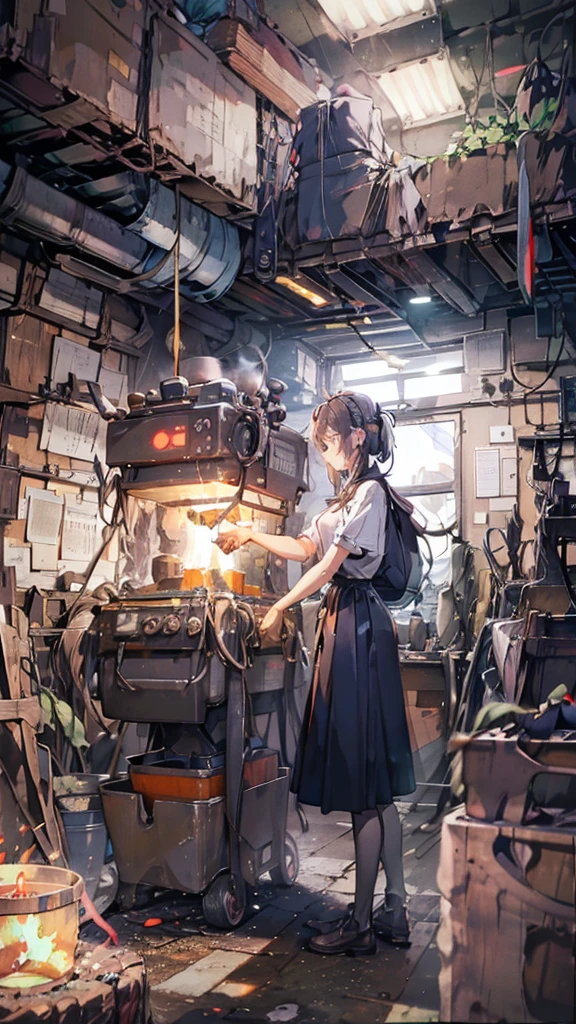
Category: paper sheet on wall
[45,557]
[79,530]
[77,433]
[114,385]
[487,461]
[18,555]
[69,357]
[44,516]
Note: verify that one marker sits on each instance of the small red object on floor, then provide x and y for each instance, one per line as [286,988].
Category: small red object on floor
[151,922]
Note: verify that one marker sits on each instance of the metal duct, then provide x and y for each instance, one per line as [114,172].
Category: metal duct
[210,252]
[44,212]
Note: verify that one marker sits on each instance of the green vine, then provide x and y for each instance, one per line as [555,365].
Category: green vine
[477,135]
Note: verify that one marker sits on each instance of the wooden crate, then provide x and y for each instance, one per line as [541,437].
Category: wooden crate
[203,115]
[507,926]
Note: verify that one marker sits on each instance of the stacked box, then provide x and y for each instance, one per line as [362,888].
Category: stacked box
[507,930]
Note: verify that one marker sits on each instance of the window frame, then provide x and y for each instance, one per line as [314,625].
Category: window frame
[455,486]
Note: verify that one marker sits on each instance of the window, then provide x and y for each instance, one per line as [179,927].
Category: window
[430,386]
[425,471]
[417,378]
[365,369]
[424,455]
[385,391]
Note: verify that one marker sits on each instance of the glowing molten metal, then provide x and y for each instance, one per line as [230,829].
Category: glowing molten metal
[38,925]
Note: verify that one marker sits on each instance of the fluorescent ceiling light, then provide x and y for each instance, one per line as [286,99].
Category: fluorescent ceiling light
[423,91]
[358,18]
[302,291]
[420,300]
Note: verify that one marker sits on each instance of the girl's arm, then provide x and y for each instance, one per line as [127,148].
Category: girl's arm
[311,581]
[296,549]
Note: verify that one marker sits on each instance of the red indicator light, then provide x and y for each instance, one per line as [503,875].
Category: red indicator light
[161,440]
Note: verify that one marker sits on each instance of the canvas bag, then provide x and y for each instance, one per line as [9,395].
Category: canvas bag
[339,157]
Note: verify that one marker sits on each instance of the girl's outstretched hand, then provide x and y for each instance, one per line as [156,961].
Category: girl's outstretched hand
[272,623]
[230,540]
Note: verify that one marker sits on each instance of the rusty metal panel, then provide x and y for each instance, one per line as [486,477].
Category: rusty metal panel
[202,113]
[95,52]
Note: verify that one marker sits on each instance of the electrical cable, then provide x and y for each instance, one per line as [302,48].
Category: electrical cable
[545,30]
[176,345]
[371,348]
[495,94]
[528,389]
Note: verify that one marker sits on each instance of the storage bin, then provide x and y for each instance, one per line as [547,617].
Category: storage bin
[506,780]
[204,115]
[180,846]
[172,779]
[94,51]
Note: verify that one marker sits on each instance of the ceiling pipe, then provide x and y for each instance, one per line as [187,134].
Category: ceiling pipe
[210,251]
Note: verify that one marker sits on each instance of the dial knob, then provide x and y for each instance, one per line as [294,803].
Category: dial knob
[194,625]
[151,625]
[171,625]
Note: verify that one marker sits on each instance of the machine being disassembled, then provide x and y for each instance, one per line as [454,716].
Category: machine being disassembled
[204,808]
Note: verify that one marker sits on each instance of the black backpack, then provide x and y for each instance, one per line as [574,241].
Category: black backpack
[399,577]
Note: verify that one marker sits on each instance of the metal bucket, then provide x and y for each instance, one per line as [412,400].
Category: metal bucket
[80,806]
[181,846]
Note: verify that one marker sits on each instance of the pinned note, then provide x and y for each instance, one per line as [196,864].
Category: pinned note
[487,462]
[44,516]
[77,433]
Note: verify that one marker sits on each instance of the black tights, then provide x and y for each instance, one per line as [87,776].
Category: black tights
[377,836]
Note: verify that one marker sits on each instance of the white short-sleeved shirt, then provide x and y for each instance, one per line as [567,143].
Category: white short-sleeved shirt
[359,527]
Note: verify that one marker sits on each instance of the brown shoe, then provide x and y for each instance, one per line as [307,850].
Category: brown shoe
[324,927]
[346,938]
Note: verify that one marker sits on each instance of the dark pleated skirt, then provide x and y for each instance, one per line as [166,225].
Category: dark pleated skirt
[354,750]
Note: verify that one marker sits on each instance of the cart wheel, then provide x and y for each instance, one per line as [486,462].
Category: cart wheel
[287,873]
[220,907]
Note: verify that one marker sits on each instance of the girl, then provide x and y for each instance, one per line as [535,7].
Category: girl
[354,750]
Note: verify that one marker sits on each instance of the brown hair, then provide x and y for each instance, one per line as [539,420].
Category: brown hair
[342,414]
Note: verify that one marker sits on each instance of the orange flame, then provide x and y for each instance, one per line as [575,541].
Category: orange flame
[20,889]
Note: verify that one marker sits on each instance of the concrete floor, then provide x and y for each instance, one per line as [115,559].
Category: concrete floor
[263,973]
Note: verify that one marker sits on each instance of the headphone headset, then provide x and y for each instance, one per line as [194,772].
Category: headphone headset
[378,428]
